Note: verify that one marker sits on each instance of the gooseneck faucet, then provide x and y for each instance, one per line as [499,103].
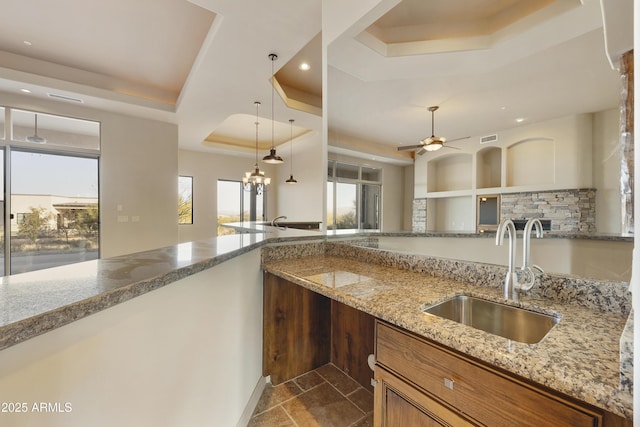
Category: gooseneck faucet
[511,280]
[274,221]
[527,268]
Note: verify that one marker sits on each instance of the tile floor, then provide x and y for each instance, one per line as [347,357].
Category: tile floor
[325,397]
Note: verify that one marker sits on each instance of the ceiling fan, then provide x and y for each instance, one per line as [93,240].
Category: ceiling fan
[36,138]
[431,143]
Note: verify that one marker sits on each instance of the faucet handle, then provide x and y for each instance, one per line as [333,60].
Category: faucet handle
[537,267]
[528,281]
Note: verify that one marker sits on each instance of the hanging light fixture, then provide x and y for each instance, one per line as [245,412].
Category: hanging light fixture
[256,180]
[291,179]
[36,138]
[272,157]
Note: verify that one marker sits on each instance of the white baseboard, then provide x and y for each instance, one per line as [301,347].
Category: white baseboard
[252,403]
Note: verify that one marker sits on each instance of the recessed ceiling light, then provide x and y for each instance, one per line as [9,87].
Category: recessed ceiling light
[304,66]
[519,120]
[27,43]
[25,90]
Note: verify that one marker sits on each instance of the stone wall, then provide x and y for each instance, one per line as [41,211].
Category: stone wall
[419,218]
[570,211]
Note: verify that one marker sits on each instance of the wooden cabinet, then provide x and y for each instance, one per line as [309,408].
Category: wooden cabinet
[440,384]
[400,404]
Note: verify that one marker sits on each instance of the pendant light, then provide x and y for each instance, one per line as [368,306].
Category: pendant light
[256,180]
[291,179]
[272,157]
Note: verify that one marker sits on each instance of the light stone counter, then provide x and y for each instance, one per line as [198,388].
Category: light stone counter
[581,356]
[36,302]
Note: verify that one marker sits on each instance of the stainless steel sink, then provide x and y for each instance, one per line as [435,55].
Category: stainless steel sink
[506,321]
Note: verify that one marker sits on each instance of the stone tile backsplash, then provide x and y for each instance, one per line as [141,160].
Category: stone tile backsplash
[595,294]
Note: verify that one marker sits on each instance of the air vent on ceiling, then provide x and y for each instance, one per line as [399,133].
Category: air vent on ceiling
[489,138]
[65,98]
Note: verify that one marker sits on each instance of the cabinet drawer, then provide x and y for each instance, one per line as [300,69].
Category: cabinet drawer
[485,394]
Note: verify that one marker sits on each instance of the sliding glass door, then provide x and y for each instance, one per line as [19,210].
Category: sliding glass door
[50,200]
[54,210]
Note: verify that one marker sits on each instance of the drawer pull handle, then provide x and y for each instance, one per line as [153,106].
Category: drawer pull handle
[448,383]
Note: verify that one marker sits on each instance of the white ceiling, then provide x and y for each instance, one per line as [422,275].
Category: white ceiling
[197,63]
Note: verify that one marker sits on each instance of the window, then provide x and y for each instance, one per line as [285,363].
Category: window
[185,200]
[237,205]
[52,195]
[353,196]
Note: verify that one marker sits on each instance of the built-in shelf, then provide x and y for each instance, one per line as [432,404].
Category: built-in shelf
[450,173]
[489,168]
[555,155]
[531,161]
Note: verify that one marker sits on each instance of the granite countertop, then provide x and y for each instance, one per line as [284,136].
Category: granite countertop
[581,355]
[39,301]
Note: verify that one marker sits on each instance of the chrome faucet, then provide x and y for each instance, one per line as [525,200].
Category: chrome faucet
[511,280]
[527,268]
[274,221]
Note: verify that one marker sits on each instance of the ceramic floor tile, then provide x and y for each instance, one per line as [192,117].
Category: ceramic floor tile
[363,399]
[274,395]
[309,380]
[365,422]
[338,379]
[275,417]
[322,406]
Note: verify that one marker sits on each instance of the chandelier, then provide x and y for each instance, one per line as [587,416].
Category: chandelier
[256,180]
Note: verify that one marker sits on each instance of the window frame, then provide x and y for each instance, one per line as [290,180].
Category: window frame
[191,179]
[334,180]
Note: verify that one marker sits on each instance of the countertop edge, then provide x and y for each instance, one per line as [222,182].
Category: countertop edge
[20,330]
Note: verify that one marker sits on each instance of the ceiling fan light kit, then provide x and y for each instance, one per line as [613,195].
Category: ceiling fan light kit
[433,143]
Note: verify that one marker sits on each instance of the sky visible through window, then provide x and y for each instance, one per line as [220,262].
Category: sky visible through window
[37,173]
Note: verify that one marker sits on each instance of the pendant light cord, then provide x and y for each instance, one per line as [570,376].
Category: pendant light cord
[273,57]
[291,146]
[257,104]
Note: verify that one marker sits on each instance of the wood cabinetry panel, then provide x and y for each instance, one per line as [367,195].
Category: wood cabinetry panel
[352,341]
[297,329]
[398,404]
[485,394]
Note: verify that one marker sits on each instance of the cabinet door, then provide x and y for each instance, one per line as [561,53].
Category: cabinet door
[491,397]
[398,404]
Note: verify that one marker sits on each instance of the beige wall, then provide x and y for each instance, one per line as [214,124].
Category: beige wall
[596,259]
[407,222]
[187,354]
[606,171]
[302,201]
[138,185]
[138,176]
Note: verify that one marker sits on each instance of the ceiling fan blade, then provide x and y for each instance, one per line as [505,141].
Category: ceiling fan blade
[458,139]
[449,146]
[421,152]
[410,147]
